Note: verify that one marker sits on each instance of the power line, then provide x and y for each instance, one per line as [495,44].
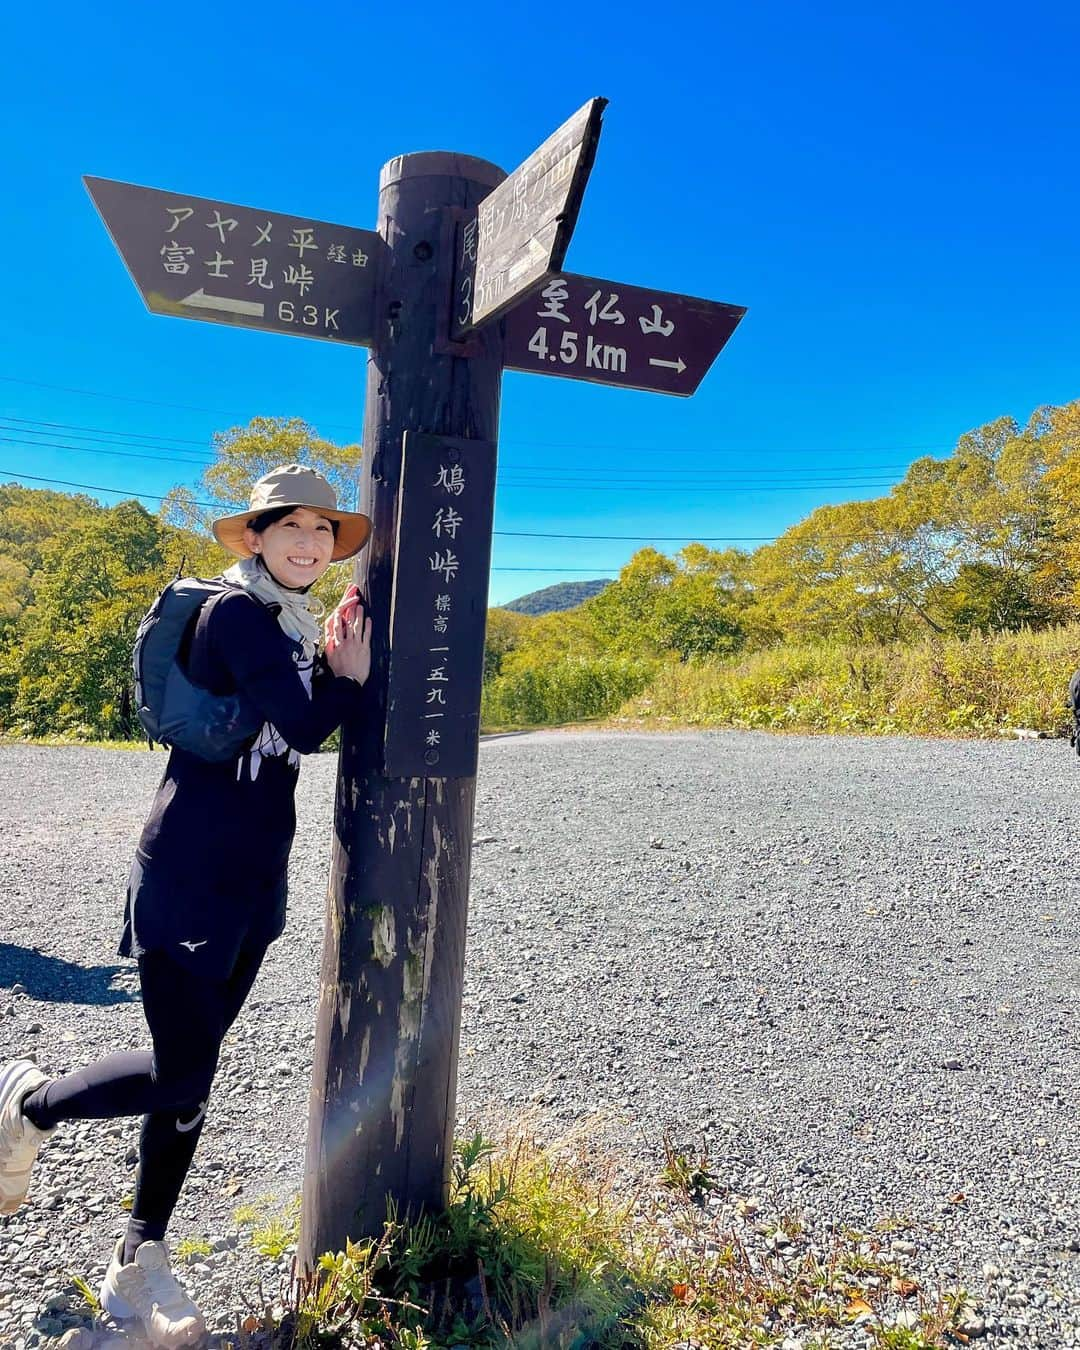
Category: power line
[519,534]
[693,487]
[560,484]
[96,487]
[652,538]
[105,431]
[146,402]
[78,432]
[620,448]
[611,567]
[94,450]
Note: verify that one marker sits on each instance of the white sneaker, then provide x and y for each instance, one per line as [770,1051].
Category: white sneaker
[147,1289]
[19,1139]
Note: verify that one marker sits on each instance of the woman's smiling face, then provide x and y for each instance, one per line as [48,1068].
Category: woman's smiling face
[296,548]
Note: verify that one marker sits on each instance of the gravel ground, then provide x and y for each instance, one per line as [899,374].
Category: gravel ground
[848,965]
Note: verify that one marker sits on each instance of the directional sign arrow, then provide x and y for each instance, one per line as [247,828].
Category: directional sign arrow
[522,228]
[200,259]
[589,329]
[200,300]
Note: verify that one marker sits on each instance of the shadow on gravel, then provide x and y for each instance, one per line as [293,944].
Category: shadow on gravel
[52,980]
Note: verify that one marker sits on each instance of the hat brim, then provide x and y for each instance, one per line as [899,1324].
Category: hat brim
[354,529]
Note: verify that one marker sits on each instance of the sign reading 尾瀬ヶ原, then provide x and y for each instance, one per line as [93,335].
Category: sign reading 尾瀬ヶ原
[522,228]
[200,259]
[438,607]
[589,329]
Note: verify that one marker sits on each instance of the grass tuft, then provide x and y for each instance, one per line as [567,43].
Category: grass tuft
[540,1247]
[191,1249]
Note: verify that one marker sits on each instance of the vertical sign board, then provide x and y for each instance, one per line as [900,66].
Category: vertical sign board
[589,329]
[521,230]
[200,259]
[439,607]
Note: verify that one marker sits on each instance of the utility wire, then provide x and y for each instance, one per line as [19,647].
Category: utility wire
[612,567]
[146,402]
[105,431]
[516,534]
[26,427]
[620,448]
[73,431]
[608,485]
[93,450]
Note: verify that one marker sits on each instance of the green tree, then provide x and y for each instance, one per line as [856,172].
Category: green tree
[66,668]
[504,633]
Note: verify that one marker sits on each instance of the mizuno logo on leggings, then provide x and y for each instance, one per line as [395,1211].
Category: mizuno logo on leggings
[192,945]
[186,1129]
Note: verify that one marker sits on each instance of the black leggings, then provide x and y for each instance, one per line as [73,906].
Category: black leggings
[188,1016]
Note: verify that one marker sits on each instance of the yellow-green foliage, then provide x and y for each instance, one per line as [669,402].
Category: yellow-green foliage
[939,607]
[76,577]
[567,690]
[538,1247]
[952,686]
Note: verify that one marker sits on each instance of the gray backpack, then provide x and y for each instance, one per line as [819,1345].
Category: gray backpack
[174,711]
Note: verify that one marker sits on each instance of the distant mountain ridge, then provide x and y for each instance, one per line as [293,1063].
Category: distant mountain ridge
[563,595]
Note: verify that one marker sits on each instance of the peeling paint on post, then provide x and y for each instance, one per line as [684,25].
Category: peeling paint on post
[397,905]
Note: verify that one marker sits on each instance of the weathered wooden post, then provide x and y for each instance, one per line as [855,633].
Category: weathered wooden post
[382,1099]
[460,245]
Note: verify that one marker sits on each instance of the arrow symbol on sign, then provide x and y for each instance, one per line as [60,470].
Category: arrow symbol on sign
[200,300]
[679,365]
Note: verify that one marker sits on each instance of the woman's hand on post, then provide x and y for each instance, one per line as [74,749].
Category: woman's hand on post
[348,642]
[346,607]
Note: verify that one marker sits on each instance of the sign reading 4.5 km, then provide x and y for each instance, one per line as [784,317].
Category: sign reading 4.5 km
[200,259]
[589,329]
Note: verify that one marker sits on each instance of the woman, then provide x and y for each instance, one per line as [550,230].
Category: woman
[206,895]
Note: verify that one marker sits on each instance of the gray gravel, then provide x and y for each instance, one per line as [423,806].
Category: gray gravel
[848,965]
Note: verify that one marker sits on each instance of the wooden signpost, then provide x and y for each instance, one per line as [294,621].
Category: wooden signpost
[462,280]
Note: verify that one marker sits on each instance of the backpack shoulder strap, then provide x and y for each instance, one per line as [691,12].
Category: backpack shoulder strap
[196,640]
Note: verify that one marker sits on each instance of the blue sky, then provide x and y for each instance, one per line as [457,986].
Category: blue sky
[892,194]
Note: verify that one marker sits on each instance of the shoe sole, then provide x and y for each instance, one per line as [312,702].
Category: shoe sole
[9,1076]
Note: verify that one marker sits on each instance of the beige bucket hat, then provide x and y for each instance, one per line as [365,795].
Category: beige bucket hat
[295,485]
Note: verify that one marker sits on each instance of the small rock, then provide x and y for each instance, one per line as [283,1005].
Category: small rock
[953,1064]
[78,1338]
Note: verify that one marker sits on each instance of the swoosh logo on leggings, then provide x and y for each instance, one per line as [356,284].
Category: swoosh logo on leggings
[186,1129]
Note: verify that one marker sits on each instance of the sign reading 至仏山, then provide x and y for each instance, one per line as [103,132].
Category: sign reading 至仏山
[589,329]
[438,606]
[200,259]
